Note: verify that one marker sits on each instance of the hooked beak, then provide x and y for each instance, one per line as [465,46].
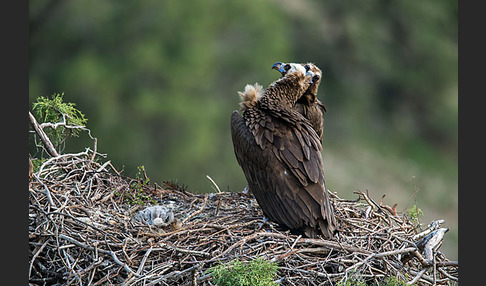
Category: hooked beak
[278,66]
[311,76]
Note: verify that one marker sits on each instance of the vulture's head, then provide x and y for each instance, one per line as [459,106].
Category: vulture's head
[311,70]
[316,79]
[286,69]
[295,69]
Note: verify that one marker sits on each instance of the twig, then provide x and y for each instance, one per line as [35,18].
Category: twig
[214,183]
[174,274]
[45,140]
[37,254]
[295,242]
[94,151]
[380,255]
[96,242]
[448,275]
[57,158]
[144,259]
[103,166]
[46,191]
[392,210]
[325,243]
[64,124]
[111,253]
[198,211]
[182,250]
[368,199]
[417,277]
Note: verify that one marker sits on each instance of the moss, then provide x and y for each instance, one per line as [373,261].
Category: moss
[258,272]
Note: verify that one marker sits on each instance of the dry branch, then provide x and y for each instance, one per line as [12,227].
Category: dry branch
[81,233]
[45,140]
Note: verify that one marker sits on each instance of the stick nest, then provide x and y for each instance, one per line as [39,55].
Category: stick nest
[82,232]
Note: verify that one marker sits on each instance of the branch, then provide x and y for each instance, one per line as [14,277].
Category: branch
[392,210]
[381,254]
[319,242]
[417,277]
[111,253]
[198,211]
[45,140]
[64,124]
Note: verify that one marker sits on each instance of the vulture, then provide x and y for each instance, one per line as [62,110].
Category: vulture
[279,152]
[309,105]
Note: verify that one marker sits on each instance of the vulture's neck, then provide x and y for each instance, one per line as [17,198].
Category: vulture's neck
[284,93]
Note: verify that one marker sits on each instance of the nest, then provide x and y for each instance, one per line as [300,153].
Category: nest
[82,231]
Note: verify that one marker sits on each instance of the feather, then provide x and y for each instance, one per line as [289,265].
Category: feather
[279,153]
[269,135]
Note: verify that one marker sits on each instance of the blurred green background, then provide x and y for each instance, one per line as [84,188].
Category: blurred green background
[158,81]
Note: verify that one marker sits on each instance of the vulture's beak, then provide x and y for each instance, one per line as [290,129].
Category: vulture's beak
[278,66]
[312,77]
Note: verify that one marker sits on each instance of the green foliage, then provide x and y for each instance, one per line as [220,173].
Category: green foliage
[142,177]
[138,197]
[352,282]
[55,110]
[393,281]
[137,194]
[414,213]
[37,162]
[258,272]
[356,279]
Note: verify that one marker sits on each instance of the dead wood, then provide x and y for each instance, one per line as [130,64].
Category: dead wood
[51,150]
[81,232]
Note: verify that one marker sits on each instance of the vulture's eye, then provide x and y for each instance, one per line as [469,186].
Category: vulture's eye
[287,67]
[307,67]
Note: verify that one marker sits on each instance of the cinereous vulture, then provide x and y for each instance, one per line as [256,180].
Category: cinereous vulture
[279,152]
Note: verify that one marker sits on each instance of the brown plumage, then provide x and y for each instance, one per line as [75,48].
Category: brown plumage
[309,105]
[279,152]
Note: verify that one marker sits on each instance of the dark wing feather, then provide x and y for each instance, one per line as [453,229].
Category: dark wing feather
[244,142]
[287,183]
[260,167]
[314,112]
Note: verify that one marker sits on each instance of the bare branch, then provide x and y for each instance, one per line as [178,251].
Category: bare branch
[45,140]
[85,212]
